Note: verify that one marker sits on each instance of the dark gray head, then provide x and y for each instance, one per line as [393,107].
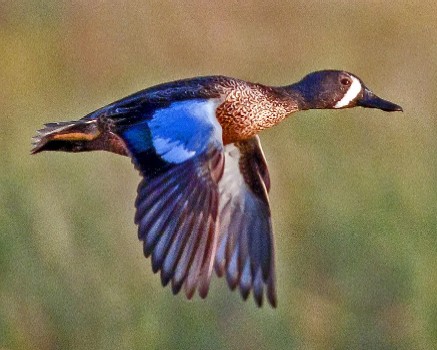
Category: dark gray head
[338,89]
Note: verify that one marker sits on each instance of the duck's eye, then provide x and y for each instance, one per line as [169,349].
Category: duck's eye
[345,81]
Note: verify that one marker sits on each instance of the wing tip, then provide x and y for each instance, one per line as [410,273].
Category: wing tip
[271,292]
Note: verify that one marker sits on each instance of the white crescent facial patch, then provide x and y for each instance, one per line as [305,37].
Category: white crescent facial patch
[351,93]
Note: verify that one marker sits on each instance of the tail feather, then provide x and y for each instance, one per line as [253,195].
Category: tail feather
[64,136]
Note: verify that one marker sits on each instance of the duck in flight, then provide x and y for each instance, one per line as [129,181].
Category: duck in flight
[203,200]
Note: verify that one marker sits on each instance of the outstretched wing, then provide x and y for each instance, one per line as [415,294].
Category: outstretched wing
[179,151]
[245,251]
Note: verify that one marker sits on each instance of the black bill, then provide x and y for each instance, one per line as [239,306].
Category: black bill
[370,100]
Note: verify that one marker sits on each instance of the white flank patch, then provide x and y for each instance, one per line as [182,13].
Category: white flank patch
[232,172]
[172,151]
[351,93]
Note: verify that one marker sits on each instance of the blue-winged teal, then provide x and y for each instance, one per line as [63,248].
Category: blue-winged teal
[203,201]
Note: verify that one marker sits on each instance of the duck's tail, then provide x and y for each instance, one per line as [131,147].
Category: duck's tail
[73,136]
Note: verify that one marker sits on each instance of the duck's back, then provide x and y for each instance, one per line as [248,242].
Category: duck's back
[163,95]
[242,109]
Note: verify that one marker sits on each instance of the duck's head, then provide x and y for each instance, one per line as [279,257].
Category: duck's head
[338,89]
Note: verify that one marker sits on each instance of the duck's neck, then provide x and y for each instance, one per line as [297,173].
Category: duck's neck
[305,97]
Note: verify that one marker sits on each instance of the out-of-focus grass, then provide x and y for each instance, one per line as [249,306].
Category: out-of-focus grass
[353,195]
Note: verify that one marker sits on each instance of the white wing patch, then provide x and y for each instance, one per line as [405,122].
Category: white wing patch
[172,151]
[208,109]
[351,93]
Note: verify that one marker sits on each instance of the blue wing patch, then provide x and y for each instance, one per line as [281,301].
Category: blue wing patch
[138,137]
[173,134]
[185,129]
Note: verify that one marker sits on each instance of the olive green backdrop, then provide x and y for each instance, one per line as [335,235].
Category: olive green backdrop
[354,197]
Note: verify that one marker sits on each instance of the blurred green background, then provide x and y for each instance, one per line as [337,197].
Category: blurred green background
[353,197]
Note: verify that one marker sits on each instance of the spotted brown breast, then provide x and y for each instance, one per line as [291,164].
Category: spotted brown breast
[249,108]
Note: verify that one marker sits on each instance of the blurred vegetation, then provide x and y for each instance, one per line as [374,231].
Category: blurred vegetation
[354,196]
